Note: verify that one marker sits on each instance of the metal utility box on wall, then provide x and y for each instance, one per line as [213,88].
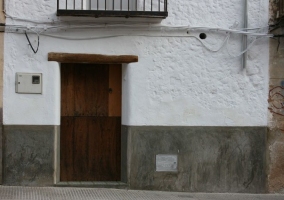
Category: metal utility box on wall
[29,83]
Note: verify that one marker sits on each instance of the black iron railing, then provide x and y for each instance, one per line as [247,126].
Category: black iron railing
[113,8]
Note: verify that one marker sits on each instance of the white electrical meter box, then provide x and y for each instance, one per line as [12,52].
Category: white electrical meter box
[29,83]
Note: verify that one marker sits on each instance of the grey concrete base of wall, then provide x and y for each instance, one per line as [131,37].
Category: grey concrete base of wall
[210,159]
[28,155]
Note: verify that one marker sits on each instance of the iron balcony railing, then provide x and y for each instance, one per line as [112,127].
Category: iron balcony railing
[113,8]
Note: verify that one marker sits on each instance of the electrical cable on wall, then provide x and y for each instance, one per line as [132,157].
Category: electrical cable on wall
[35,51]
[209,29]
[153,30]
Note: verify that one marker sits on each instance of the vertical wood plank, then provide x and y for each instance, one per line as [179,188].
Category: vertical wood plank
[91,90]
[110,142]
[115,90]
[67,89]
[66,150]
[80,149]
[90,139]
[90,148]
[104,148]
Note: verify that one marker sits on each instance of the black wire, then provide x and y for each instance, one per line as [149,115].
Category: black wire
[278,35]
[35,51]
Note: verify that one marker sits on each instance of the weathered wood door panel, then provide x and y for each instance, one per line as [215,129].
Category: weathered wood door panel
[90,122]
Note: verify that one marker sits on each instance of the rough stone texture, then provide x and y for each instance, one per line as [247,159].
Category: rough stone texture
[276,116]
[276,154]
[275,99]
[276,119]
[2,15]
[273,9]
[28,155]
[276,150]
[210,159]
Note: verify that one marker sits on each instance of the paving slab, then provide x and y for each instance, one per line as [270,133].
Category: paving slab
[63,193]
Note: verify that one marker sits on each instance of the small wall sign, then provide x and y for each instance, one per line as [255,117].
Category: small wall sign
[166,163]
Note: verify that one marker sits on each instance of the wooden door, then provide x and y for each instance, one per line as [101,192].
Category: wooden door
[90,131]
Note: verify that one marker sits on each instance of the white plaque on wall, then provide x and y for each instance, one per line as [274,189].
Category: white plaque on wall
[166,163]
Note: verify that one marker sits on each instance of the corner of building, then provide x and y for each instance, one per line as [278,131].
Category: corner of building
[2,21]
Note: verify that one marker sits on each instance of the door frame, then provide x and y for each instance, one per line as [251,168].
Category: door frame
[92,59]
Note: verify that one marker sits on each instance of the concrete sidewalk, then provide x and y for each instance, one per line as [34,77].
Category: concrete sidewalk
[56,193]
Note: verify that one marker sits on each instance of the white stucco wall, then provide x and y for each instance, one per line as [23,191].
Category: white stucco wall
[177,82]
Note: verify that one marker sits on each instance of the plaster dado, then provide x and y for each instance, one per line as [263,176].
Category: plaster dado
[176,81]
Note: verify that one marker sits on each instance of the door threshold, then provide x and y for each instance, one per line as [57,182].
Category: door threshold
[94,184]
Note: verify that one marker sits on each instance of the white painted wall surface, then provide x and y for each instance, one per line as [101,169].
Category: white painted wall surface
[177,82]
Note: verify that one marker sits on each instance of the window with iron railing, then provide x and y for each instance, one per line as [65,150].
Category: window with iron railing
[113,8]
